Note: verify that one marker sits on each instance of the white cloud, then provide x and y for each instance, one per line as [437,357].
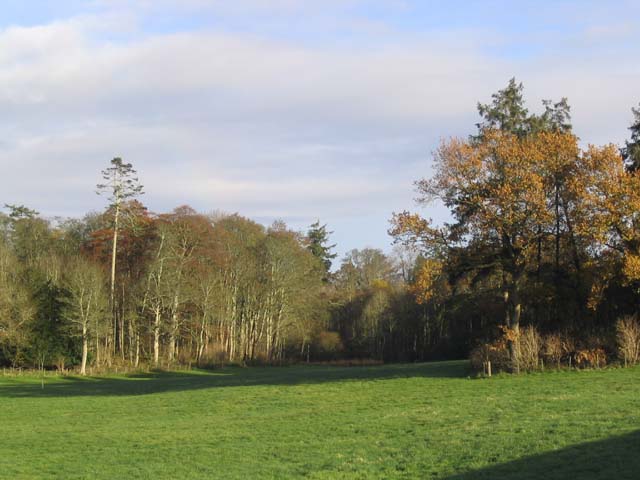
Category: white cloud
[270,128]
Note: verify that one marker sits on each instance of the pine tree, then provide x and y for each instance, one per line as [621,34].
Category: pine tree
[121,184]
[631,150]
[317,238]
[506,112]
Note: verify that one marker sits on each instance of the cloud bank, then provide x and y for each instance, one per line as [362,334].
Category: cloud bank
[223,107]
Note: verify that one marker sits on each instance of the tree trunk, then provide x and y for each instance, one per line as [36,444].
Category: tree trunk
[114,250]
[137,360]
[557,235]
[83,367]
[516,308]
[201,342]
[156,337]
[512,311]
[556,267]
[172,336]
[97,344]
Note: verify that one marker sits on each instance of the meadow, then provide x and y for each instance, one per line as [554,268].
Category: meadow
[430,420]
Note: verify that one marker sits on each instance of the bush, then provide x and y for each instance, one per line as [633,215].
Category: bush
[328,345]
[568,348]
[478,356]
[628,339]
[553,351]
[495,352]
[591,357]
[590,351]
[529,348]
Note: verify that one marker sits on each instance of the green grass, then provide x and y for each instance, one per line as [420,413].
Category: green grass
[394,421]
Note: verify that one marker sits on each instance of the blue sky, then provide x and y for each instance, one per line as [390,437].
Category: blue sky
[286,108]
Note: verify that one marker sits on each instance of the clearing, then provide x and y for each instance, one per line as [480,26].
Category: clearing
[393,421]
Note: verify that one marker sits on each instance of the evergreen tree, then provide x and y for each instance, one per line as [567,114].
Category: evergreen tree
[121,184]
[317,238]
[631,150]
[556,117]
[506,112]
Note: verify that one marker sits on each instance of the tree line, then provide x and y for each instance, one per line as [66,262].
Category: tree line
[544,233]
[195,289]
[544,239]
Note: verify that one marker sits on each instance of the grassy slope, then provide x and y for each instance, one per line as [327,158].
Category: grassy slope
[396,421]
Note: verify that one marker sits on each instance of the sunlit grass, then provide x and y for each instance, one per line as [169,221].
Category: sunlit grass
[395,421]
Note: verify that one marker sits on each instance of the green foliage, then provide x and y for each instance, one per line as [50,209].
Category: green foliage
[17,212]
[508,114]
[391,421]
[48,342]
[317,243]
[120,182]
[631,150]
[27,234]
[17,308]
[556,117]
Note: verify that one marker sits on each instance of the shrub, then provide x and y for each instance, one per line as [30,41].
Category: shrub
[60,362]
[495,352]
[591,357]
[553,350]
[568,348]
[328,345]
[353,362]
[478,356]
[628,339]
[529,348]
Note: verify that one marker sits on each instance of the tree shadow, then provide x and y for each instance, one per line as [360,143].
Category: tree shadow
[612,458]
[159,381]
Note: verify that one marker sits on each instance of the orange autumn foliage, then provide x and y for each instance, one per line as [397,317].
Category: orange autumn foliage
[424,286]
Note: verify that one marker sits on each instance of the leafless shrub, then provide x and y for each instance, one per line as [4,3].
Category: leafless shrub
[495,352]
[553,351]
[568,345]
[529,349]
[591,357]
[628,339]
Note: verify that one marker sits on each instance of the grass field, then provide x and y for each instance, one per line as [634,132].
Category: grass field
[393,421]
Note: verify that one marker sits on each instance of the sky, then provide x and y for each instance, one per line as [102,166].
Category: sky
[288,109]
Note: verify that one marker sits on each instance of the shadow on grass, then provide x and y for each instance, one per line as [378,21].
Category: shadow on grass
[158,382]
[613,458]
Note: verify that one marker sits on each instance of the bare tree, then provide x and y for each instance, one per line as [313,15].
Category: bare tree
[86,302]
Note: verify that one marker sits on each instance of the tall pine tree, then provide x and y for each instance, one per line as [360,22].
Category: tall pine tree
[631,150]
[317,244]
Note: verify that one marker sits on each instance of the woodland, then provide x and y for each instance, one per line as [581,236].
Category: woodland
[538,265]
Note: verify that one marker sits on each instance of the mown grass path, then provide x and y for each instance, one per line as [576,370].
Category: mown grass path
[393,421]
